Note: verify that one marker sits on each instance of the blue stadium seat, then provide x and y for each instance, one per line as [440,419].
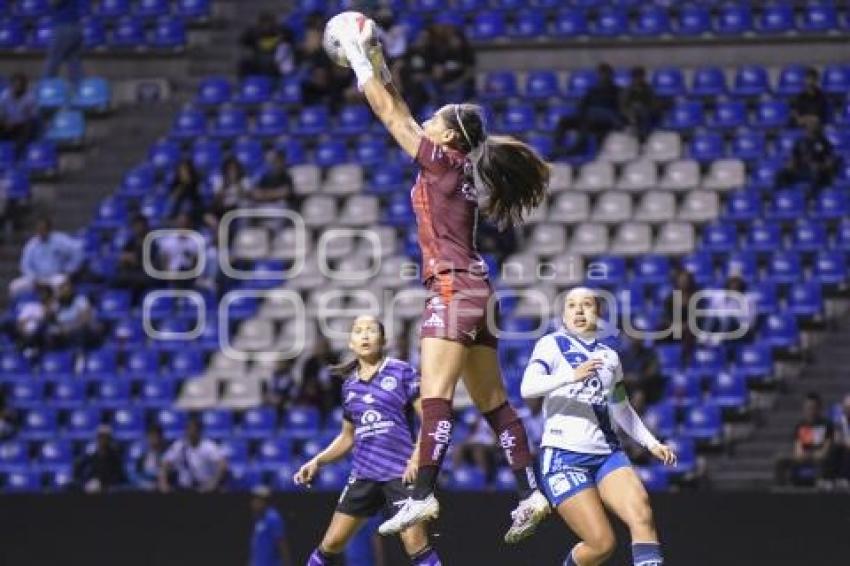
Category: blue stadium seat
[52,93]
[293,149]
[651,269]
[39,424]
[570,22]
[289,92]
[541,84]
[190,123]
[57,364]
[94,33]
[331,478]
[780,330]
[669,357]
[301,422]
[743,263]
[217,423]
[128,32]
[763,174]
[16,184]
[271,121]
[235,450]
[157,393]
[792,80]
[139,181]
[707,146]
[274,452]
[751,80]
[668,81]
[733,19]
[14,455]
[101,363]
[831,204]
[164,155]
[836,79]
[26,394]
[258,423]
[173,422]
[806,299]
[67,392]
[193,10]
[128,423]
[809,236]
[660,419]
[428,5]
[839,138]
[66,127]
[787,204]
[313,120]
[684,115]
[613,268]
[755,361]
[230,122]
[554,113]
[765,296]
[686,453]
[254,90]
[651,21]
[331,152]
[785,141]
[214,91]
[542,144]
[499,85]
[23,481]
[12,34]
[111,214]
[684,388]
[611,21]
[654,478]
[776,18]
[729,390]
[371,150]
[819,17]
[487,26]
[55,454]
[528,24]
[152,8]
[708,360]
[772,114]
[207,155]
[111,393]
[114,304]
[709,82]
[719,237]
[467,478]
[830,268]
[168,33]
[249,152]
[82,423]
[8,155]
[748,145]
[693,20]
[518,119]
[703,422]
[93,94]
[763,237]
[729,114]
[699,265]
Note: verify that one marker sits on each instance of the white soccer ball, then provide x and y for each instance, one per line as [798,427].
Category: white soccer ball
[344,25]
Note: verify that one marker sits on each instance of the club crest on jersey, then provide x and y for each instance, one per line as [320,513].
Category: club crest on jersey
[370,417]
[436,303]
[389,383]
[434,321]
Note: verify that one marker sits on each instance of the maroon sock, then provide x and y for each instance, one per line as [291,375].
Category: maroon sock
[436,434]
[510,431]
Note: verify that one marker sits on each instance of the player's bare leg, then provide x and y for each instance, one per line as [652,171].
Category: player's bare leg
[585,516]
[624,494]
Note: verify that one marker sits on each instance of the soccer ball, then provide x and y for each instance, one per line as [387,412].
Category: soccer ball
[342,26]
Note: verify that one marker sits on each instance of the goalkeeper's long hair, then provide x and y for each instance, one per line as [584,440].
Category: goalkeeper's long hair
[514,177]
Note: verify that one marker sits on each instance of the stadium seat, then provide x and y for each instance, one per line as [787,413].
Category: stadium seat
[14,365]
[111,8]
[193,10]
[663,147]
[668,81]
[651,21]
[11,34]
[809,236]
[487,26]
[231,122]
[66,127]
[776,18]
[164,155]
[660,419]
[684,388]
[301,422]
[41,35]
[207,155]
[651,269]
[14,455]
[719,237]
[168,33]
[819,17]
[467,478]
[67,392]
[742,263]
[254,90]
[685,452]
[52,93]
[541,85]
[831,204]
[729,390]
[772,114]
[709,82]
[111,393]
[580,81]
[792,80]
[190,123]
[128,32]
[157,392]
[82,422]
[763,236]
[249,153]
[274,452]
[675,238]
[685,115]
[707,146]
[518,119]
[703,422]
[611,21]
[733,19]
[528,24]
[725,174]
[830,268]
[499,85]
[751,80]
[654,478]
[55,454]
[780,331]
[570,22]
[805,299]
[313,120]
[836,79]
[101,363]
[94,33]
[258,423]
[26,394]
[93,94]
[729,114]
[754,361]
[214,91]
[743,206]
[693,20]
[23,481]
[173,422]
[235,450]
[787,204]
[152,8]
[39,423]
[331,152]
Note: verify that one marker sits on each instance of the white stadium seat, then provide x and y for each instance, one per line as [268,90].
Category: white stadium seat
[570,208]
[632,238]
[589,239]
[725,175]
[656,207]
[306,179]
[681,175]
[675,238]
[619,147]
[700,206]
[346,179]
[638,176]
[662,147]
[595,177]
[613,207]
[547,239]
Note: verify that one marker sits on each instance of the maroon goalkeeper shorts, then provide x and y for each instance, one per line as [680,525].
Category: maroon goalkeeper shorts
[459,309]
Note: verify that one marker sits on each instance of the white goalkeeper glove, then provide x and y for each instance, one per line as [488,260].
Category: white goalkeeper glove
[365,55]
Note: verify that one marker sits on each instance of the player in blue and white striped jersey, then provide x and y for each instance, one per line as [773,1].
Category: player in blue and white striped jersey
[582,466]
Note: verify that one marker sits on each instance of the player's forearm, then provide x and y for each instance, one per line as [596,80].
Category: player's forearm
[627,418]
[538,382]
[338,448]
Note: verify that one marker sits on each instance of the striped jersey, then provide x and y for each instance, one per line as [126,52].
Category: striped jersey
[445,202]
[578,415]
[382,414]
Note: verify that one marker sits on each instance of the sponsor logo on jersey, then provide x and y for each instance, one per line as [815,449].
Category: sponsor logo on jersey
[435,321]
[436,303]
[389,383]
[372,424]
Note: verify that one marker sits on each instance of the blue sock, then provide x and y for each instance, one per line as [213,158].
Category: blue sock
[647,554]
[569,561]
[319,558]
[426,557]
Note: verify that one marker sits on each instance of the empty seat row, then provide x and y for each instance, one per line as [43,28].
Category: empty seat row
[168,32]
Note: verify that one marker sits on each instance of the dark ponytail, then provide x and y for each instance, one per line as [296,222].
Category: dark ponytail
[514,175]
[344,369]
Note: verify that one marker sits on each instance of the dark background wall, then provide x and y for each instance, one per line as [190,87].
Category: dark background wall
[184,530]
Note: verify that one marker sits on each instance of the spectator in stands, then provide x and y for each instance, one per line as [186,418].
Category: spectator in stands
[393,36]
[479,448]
[100,468]
[598,113]
[274,184]
[811,102]
[318,386]
[66,39]
[640,367]
[73,322]
[454,69]
[193,462]
[131,272]
[639,104]
[185,195]
[415,73]
[231,186]
[677,310]
[18,112]
[269,546]
[180,252]
[270,48]
[813,158]
[47,257]
[735,311]
[144,469]
[8,419]
[29,328]
[283,387]
[842,453]
[812,461]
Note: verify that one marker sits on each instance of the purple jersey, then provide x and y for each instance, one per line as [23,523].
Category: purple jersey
[380,410]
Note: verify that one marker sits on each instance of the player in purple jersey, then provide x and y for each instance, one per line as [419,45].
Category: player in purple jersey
[380,395]
[463,172]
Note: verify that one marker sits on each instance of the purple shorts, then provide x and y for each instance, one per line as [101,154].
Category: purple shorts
[459,309]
